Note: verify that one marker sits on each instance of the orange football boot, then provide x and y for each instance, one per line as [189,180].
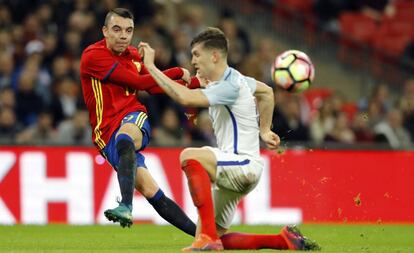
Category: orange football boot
[203,242]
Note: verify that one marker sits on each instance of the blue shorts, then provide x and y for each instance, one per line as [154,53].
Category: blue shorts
[141,120]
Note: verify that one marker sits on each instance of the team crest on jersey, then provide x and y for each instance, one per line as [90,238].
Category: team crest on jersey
[137,65]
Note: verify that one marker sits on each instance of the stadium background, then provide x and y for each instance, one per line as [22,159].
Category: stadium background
[347,149]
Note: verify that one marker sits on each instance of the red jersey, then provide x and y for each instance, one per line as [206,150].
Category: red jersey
[109,84]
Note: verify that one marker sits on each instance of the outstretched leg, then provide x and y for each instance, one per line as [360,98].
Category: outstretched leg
[289,238]
[165,207]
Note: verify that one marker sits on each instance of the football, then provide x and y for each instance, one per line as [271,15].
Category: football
[293,71]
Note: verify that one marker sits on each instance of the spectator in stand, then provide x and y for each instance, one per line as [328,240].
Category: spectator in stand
[6,70]
[374,114]
[40,133]
[61,67]
[5,16]
[362,131]
[240,45]
[338,100]
[29,103]
[406,105]
[341,132]
[6,45]
[44,14]
[73,40]
[34,59]
[17,43]
[65,100]
[7,98]
[287,121]
[392,131]
[84,22]
[260,61]
[9,127]
[194,21]
[50,51]
[203,132]
[170,132]
[381,96]
[75,131]
[181,55]
[323,122]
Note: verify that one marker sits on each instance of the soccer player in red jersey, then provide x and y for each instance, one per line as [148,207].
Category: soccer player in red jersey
[235,166]
[111,73]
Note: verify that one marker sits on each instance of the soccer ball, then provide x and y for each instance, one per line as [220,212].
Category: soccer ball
[293,71]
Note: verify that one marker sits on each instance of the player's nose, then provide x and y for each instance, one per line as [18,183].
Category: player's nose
[123,35]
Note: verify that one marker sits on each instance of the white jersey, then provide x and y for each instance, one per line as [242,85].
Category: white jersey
[234,114]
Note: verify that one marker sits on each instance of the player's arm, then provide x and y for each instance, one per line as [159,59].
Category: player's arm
[194,84]
[265,103]
[179,93]
[102,65]
[124,76]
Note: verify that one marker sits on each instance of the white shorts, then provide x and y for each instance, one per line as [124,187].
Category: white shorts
[236,176]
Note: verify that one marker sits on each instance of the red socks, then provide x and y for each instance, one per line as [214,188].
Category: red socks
[200,188]
[242,241]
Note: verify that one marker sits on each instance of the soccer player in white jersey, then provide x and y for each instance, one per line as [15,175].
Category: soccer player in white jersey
[241,109]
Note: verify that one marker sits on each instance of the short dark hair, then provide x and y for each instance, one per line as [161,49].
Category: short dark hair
[212,38]
[122,12]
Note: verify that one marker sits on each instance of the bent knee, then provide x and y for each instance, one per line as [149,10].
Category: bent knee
[134,132]
[187,154]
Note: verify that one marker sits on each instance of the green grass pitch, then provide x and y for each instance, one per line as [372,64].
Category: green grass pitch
[163,239]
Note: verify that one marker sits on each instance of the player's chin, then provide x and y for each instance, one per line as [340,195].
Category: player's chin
[121,49]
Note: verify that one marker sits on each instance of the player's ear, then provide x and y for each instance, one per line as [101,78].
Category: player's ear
[105,31]
[215,56]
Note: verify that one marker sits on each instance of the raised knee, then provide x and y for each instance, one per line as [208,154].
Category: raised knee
[134,132]
[186,155]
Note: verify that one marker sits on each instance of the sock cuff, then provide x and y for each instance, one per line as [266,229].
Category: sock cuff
[191,163]
[159,194]
[123,137]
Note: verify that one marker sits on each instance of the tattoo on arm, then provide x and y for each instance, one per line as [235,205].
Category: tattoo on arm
[163,83]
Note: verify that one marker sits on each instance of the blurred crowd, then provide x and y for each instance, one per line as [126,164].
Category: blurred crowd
[40,94]
[324,116]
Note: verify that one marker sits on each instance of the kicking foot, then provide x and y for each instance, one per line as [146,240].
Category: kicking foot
[296,241]
[121,214]
[203,242]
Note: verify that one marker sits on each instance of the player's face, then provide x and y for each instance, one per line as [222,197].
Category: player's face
[203,60]
[118,33]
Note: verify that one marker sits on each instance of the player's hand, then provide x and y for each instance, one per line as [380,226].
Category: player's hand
[147,52]
[271,139]
[186,76]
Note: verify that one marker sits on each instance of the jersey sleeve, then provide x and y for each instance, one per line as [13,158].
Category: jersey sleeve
[251,82]
[103,66]
[221,93]
[195,84]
